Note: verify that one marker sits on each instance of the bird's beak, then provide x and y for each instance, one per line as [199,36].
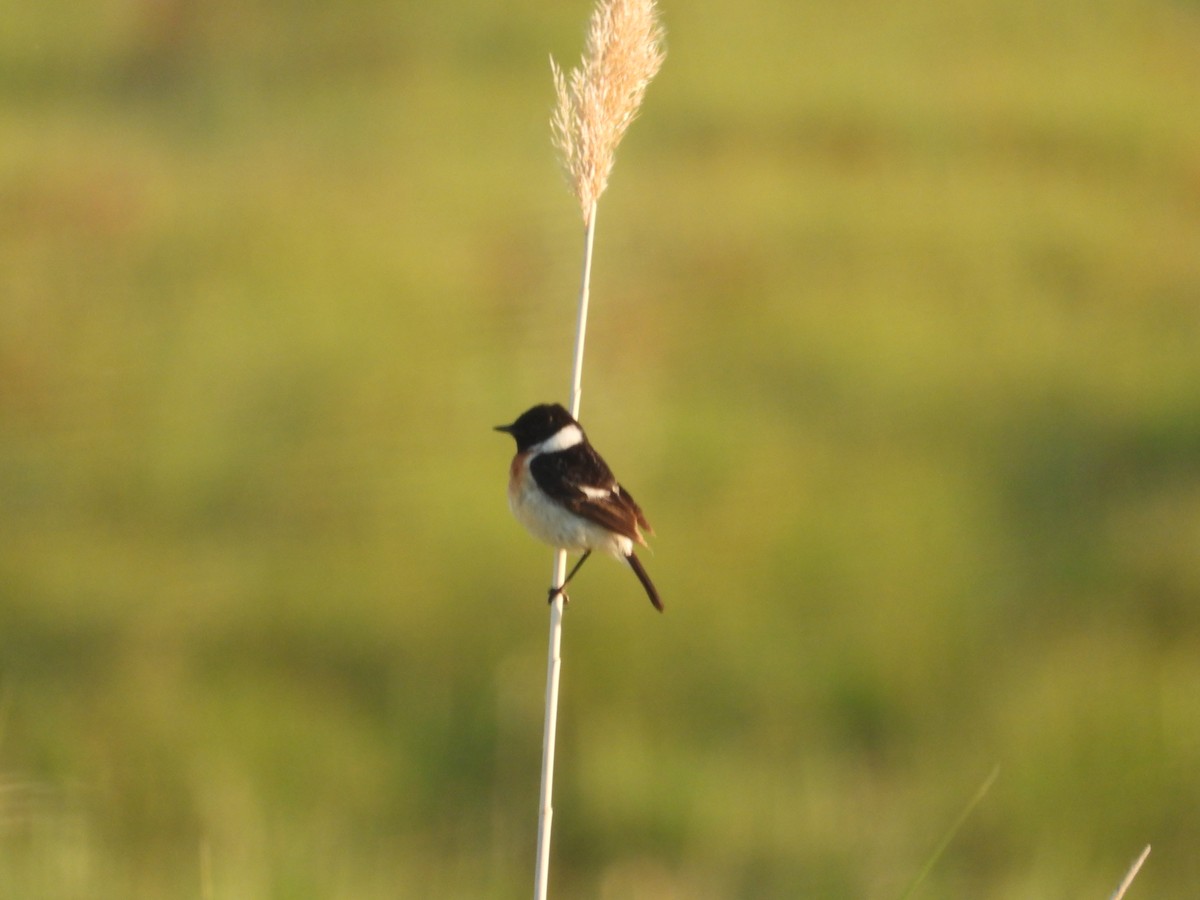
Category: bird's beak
[507,429]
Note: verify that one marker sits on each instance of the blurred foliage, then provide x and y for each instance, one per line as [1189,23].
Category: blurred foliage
[896,334]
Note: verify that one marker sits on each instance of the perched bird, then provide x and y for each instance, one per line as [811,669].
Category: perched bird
[563,492]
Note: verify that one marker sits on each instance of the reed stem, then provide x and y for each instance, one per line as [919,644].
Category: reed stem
[554,657]
[596,102]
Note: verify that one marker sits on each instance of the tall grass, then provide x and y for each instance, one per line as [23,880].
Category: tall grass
[596,104]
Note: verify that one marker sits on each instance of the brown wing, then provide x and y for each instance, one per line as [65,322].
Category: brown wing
[565,474]
[637,510]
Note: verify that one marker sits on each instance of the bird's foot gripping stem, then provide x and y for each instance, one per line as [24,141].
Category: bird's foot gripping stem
[562,588]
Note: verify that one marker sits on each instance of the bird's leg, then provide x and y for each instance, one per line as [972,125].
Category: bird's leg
[561,589]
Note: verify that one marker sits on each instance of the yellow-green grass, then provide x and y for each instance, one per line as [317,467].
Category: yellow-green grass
[894,334]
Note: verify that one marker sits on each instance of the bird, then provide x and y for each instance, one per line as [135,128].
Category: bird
[564,493]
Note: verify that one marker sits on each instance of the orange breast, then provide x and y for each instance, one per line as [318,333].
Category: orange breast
[516,474]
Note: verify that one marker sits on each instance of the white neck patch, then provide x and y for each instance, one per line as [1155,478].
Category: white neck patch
[563,439]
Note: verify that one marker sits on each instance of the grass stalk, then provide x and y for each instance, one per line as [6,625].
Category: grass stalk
[554,661]
[951,832]
[1131,874]
[596,103]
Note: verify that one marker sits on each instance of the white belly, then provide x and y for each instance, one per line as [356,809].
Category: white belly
[558,527]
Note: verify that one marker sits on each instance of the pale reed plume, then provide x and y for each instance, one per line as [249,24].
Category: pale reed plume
[598,100]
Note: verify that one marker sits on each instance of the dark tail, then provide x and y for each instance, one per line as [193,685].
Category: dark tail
[636,565]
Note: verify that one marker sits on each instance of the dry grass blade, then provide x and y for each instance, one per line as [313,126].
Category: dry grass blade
[1131,874]
[597,101]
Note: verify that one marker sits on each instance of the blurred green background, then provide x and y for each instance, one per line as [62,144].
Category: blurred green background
[895,334]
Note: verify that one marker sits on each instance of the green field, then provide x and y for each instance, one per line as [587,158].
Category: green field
[895,335]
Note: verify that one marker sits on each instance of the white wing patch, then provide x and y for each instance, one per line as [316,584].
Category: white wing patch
[595,493]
